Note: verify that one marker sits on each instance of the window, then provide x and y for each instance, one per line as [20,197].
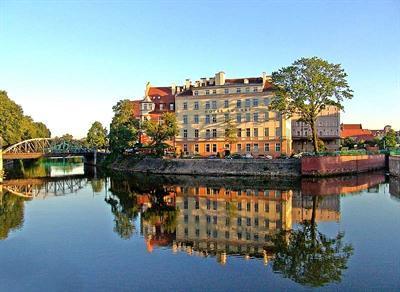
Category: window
[247,102]
[266,206]
[266,101]
[227,221]
[226,117]
[145,107]
[214,104]
[278,132]
[197,219]
[161,106]
[239,133]
[266,223]
[208,219]
[186,218]
[248,221]
[239,221]
[196,134]
[185,119]
[214,133]
[185,148]
[226,90]
[278,147]
[185,106]
[247,117]
[255,89]
[248,207]
[239,147]
[171,106]
[239,118]
[266,147]
[248,132]
[215,205]
[208,134]
[255,102]
[196,105]
[214,91]
[185,133]
[266,132]
[227,234]
[197,205]
[208,203]
[255,117]
[214,118]
[266,116]
[247,89]
[207,92]
[197,232]
[207,119]
[207,147]
[215,220]
[185,204]
[226,103]
[255,147]
[215,233]
[238,90]
[196,146]
[214,146]
[207,105]
[255,132]
[186,232]
[196,119]
[196,93]
[256,208]
[238,103]
[248,147]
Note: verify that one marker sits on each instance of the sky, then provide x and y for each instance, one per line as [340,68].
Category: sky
[68,62]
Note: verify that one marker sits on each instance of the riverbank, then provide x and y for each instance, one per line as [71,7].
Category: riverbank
[394,165]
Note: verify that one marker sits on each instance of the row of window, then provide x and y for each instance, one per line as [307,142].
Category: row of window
[214,104]
[247,117]
[162,106]
[227,192]
[214,234]
[228,205]
[227,91]
[213,133]
[212,148]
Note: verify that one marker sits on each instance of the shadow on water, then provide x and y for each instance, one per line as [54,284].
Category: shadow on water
[274,221]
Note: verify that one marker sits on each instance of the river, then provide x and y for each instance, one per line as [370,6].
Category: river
[64,226]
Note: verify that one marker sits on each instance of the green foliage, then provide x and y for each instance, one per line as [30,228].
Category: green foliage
[230,132]
[349,143]
[97,136]
[124,127]
[159,132]
[307,87]
[11,214]
[389,140]
[67,137]
[15,126]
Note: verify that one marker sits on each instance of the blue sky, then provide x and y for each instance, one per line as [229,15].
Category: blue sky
[68,62]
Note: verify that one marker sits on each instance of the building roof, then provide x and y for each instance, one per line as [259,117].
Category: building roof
[355,131]
[161,95]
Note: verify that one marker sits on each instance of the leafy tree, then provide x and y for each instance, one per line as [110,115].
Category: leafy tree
[349,143]
[97,136]
[389,140]
[309,257]
[67,137]
[230,132]
[161,131]
[307,87]
[124,127]
[15,126]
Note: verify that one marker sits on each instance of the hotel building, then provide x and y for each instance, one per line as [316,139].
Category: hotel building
[206,110]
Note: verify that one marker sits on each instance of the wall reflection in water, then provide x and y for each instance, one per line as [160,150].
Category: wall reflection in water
[276,222]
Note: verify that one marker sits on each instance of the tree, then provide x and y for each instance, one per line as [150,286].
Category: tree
[97,136]
[307,87]
[67,137]
[124,127]
[230,132]
[15,126]
[389,140]
[309,257]
[161,131]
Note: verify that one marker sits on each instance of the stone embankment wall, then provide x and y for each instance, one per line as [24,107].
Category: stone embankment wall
[332,165]
[394,165]
[212,167]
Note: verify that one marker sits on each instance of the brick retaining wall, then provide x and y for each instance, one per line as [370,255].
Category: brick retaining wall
[394,165]
[331,165]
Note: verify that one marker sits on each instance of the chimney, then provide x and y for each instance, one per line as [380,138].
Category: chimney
[203,81]
[173,88]
[220,78]
[188,83]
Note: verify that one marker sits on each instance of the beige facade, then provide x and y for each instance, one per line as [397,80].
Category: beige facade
[328,129]
[204,109]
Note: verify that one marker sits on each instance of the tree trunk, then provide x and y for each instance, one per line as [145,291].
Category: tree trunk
[314,135]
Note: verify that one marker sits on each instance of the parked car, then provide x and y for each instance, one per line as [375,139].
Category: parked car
[248,156]
[212,156]
[268,157]
[236,156]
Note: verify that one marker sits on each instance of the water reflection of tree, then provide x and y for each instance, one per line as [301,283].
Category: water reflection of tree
[97,185]
[309,257]
[11,214]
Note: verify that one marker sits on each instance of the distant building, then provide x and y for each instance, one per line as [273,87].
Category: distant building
[328,130]
[356,132]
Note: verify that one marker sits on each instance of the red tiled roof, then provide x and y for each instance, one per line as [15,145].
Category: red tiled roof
[161,95]
[355,131]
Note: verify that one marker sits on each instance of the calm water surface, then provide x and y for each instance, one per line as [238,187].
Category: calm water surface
[67,227]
